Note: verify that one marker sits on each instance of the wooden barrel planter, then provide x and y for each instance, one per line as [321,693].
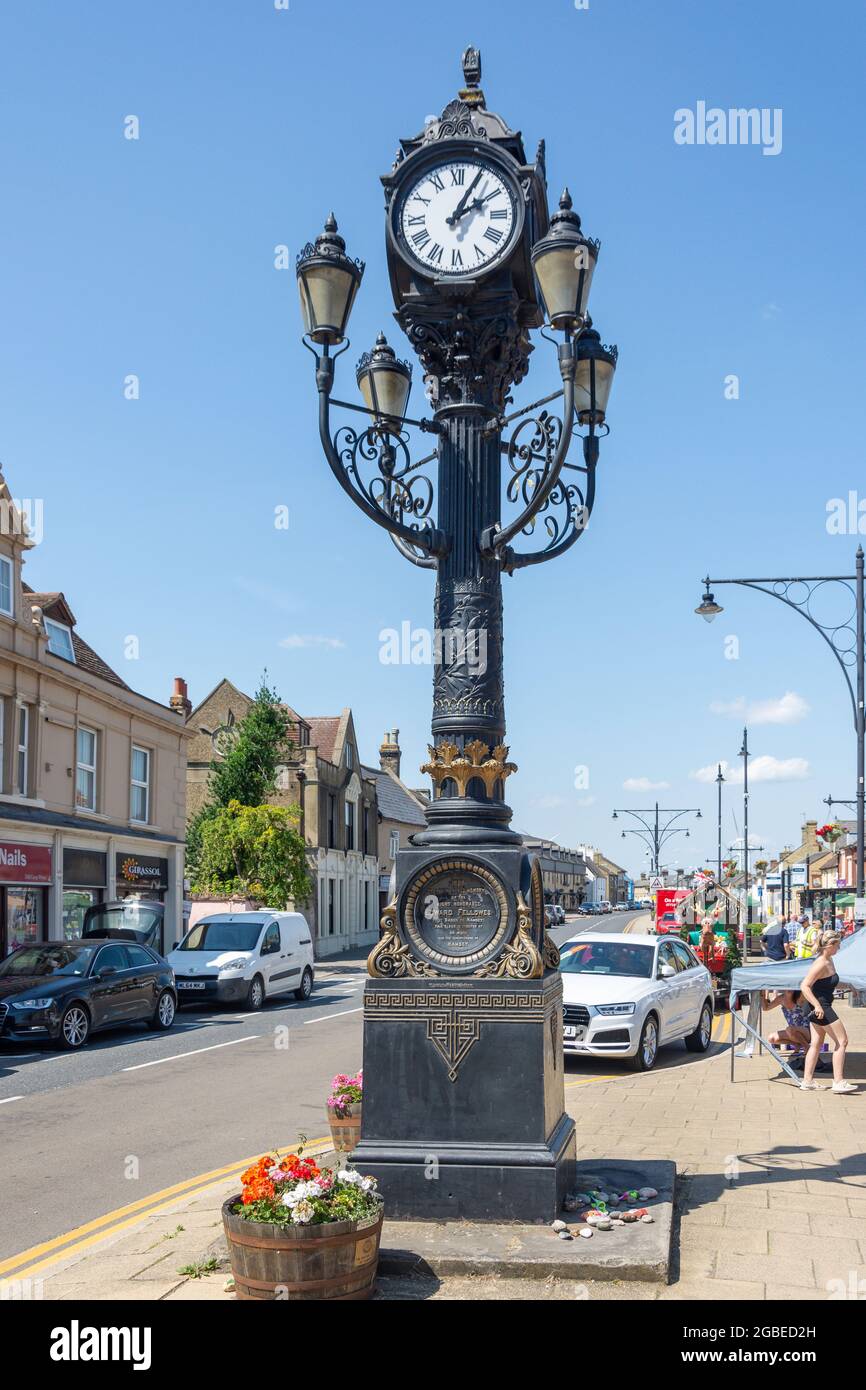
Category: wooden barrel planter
[335,1261]
[346,1131]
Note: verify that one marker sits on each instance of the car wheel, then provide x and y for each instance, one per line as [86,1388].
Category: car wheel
[305,988]
[256,993]
[648,1047]
[74,1027]
[164,1013]
[699,1040]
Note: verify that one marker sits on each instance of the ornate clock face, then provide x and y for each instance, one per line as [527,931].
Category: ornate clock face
[457,218]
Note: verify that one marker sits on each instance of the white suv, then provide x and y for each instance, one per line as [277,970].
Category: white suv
[627,996]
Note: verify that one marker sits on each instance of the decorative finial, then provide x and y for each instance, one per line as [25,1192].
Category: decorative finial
[330,223]
[564,201]
[472,67]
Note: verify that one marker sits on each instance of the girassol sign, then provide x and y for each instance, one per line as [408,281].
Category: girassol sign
[24,863]
[144,870]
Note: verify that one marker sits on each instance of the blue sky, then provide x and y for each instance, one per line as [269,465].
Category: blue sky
[156,257]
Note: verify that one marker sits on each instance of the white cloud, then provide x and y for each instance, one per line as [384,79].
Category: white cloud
[548,803]
[297,640]
[790,708]
[767,769]
[586,800]
[643,784]
[762,769]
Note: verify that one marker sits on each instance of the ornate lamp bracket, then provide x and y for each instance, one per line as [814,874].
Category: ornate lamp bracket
[374,468]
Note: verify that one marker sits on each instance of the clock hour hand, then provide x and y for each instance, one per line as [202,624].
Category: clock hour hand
[461,206]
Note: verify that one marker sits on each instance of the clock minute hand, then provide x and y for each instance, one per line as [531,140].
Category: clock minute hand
[461,206]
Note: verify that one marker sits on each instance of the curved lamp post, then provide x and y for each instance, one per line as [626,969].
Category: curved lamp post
[846,640]
[656,832]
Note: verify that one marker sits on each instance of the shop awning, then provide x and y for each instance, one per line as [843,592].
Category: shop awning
[850,963]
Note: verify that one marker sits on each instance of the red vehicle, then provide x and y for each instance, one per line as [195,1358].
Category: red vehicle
[667,900]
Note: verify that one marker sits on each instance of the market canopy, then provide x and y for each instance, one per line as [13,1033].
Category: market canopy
[850,963]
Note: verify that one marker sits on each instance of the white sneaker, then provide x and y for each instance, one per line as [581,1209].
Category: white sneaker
[842,1088]
[809,1086]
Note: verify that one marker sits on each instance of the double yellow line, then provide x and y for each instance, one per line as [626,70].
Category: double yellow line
[40,1257]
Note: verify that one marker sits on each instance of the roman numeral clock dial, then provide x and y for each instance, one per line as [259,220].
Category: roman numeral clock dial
[457,218]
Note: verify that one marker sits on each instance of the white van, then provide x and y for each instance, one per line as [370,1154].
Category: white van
[244,958]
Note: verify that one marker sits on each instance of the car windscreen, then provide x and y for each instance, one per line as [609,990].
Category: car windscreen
[222,936]
[131,916]
[606,958]
[47,960]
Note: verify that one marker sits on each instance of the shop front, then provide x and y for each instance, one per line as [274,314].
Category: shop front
[25,877]
[84,885]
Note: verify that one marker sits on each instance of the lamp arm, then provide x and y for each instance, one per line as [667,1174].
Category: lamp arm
[516,560]
[431,541]
[495,539]
[424,562]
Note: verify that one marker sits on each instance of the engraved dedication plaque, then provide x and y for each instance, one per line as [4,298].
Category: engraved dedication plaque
[456,914]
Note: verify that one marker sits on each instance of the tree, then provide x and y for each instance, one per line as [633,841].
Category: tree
[253,852]
[254,750]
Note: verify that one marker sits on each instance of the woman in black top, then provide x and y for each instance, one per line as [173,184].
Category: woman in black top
[818,989]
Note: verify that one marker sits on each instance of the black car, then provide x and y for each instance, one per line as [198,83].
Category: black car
[62,991]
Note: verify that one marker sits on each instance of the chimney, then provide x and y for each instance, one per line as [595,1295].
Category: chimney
[810,839]
[389,752]
[180,701]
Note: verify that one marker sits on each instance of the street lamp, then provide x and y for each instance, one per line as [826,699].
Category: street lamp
[656,832]
[719,782]
[846,640]
[564,262]
[475,264]
[328,281]
[708,609]
[744,754]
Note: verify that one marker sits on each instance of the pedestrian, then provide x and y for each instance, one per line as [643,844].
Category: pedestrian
[818,989]
[776,941]
[808,933]
[796,1031]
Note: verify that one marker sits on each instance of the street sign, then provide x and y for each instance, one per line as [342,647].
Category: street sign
[656,883]
[841,883]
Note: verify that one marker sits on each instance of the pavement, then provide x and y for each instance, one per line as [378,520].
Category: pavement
[770,1203]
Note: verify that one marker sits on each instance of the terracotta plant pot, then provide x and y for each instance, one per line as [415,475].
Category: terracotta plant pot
[335,1261]
[346,1130]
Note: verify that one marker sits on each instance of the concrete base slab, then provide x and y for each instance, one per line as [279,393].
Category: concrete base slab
[639,1251]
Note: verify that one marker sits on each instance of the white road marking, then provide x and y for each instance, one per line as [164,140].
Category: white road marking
[7,1100]
[325,1017]
[179,1056]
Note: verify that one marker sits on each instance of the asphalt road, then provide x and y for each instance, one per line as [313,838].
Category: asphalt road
[82,1134]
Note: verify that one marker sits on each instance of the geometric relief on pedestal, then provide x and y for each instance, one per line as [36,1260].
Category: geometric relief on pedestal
[454,1021]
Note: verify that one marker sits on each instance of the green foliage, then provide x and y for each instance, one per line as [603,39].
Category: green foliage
[257,746]
[253,751]
[253,852]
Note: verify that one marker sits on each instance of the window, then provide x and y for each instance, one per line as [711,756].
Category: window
[59,639]
[6,585]
[111,958]
[271,941]
[684,957]
[23,737]
[350,824]
[349,755]
[332,829]
[85,769]
[139,800]
[138,957]
[2,743]
[394,844]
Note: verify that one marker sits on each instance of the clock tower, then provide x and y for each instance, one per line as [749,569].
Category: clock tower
[464,1109]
